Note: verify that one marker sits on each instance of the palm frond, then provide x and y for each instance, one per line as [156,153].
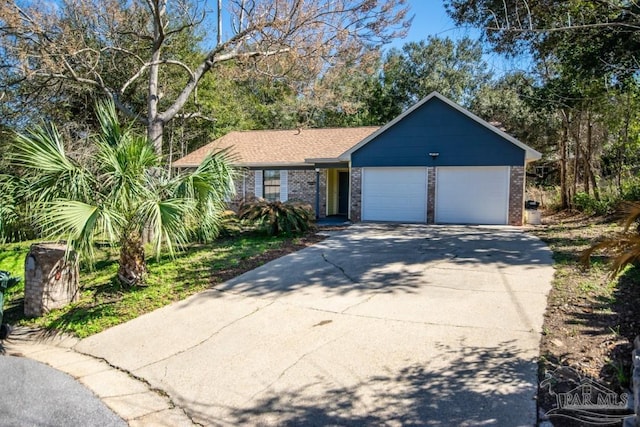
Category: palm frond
[53,172]
[623,248]
[78,223]
[111,130]
[212,180]
[166,220]
[631,211]
[210,186]
[124,170]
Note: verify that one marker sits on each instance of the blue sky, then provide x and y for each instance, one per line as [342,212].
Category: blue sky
[432,19]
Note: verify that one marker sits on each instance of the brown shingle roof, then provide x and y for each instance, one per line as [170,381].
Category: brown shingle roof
[281,147]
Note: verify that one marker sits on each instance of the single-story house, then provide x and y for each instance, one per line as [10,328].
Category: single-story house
[435,163]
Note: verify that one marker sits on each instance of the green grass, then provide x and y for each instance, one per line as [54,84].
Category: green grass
[104,302]
[12,257]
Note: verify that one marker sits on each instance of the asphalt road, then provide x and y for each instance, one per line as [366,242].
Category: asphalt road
[34,394]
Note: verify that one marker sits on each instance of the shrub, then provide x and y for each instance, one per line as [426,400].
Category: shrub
[631,189]
[277,218]
[230,224]
[590,205]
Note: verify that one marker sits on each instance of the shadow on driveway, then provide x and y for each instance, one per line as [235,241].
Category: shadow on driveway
[478,387]
[380,324]
[392,258]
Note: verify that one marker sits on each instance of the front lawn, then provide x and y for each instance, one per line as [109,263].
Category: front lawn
[104,302]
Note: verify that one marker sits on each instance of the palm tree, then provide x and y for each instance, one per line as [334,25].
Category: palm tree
[120,193]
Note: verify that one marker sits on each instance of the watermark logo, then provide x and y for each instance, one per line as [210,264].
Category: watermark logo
[582,399]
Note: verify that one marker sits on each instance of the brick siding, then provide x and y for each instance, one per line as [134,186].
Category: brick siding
[356,194]
[245,186]
[323,193]
[516,195]
[301,188]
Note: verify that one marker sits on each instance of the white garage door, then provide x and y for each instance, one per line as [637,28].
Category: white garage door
[472,195]
[394,194]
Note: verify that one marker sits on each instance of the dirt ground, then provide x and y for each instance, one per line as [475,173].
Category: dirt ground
[591,320]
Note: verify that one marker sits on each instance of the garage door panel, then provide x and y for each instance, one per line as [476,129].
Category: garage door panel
[472,195]
[394,194]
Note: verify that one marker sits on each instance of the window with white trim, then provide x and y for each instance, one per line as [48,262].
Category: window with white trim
[271,185]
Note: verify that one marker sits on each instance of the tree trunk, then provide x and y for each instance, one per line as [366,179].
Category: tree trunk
[590,178]
[154,133]
[576,160]
[564,199]
[154,122]
[133,268]
[622,146]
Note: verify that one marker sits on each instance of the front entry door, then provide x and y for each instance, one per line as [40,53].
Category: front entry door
[343,193]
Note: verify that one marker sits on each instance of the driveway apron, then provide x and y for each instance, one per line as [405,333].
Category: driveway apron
[378,324]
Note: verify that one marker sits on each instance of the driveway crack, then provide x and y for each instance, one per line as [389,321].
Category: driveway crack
[366,300]
[171,404]
[213,334]
[291,366]
[344,273]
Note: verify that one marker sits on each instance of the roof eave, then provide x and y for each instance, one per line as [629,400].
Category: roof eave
[283,165]
[188,165]
[324,160]
[532,156]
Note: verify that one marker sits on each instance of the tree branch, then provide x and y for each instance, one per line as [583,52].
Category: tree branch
[144,67]
[566,28]
[125,51]
[194,115]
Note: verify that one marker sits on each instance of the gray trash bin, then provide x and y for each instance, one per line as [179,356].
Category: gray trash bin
[532,214]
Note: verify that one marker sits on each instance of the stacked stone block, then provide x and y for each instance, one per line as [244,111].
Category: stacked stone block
[50,279]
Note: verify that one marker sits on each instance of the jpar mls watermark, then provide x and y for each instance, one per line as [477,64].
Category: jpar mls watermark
[584,400]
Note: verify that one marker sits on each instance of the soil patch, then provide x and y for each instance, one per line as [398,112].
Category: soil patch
[591,320]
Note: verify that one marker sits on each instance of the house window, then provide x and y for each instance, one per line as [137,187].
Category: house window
[271,185]
[542,171]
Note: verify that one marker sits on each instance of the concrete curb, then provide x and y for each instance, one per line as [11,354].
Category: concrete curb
[131,398]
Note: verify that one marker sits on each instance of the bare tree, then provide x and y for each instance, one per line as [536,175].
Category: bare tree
[115,46]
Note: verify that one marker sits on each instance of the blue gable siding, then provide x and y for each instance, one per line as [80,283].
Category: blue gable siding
[437,127]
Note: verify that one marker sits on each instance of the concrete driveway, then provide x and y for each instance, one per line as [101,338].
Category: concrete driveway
[380,324]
